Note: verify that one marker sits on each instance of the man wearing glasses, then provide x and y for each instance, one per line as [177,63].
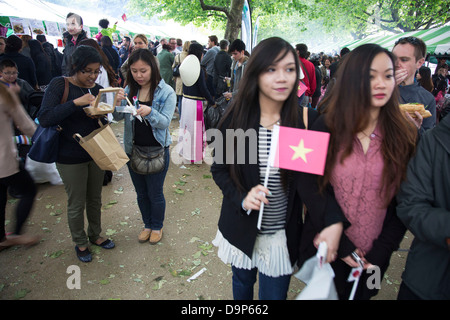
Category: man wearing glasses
[410,55]
[9,77]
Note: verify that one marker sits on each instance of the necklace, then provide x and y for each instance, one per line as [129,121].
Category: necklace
[270,125]
[89,91]
[75,83]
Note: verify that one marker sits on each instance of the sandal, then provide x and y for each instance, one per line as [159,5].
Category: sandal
[107,244]
[84,256]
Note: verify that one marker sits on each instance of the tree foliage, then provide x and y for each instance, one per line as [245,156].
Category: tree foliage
[358,17]
[368,16]
[216,13]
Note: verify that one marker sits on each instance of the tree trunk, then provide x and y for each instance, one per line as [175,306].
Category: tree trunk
[234,22]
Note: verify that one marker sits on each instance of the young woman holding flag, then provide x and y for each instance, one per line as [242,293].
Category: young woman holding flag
[267,96]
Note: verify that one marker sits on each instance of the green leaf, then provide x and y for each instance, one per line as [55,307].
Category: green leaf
[110,232]
[179,191]
[21,293]
[119,190]
[56,254]
[110,204]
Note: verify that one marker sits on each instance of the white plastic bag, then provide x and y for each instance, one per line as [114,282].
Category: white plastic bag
[318,277]
[43,172]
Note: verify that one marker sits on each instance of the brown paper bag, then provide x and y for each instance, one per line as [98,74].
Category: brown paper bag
[103,147]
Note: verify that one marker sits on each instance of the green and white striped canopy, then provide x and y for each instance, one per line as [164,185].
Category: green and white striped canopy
[436,39]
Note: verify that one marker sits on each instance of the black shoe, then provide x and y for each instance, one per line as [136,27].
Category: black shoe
[84,256]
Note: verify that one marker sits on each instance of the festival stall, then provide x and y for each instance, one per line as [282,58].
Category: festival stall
[33,17]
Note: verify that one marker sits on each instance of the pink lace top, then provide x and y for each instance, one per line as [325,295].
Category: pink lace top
[357,185]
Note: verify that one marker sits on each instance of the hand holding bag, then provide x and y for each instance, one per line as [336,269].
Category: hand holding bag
[46,140]
[103,147]
[318,276]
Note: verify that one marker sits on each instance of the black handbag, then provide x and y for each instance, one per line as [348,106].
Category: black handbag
[176,69]
[46,140]
[213,114]
[147,159]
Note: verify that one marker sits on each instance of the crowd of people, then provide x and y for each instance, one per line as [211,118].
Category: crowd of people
[387,171]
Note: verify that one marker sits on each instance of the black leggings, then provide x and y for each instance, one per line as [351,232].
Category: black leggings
[24,185]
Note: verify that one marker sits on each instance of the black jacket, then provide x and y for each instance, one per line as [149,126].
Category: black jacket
[222,68]
[424,207]
[239,228]
[69,49]
[199,90]
[70,117]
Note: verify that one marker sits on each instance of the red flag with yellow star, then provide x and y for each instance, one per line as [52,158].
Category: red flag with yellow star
[299,150]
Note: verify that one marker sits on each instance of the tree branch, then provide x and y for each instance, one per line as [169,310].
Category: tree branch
[207,7]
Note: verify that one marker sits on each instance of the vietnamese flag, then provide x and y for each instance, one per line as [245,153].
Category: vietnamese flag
[299,149]
[124,17]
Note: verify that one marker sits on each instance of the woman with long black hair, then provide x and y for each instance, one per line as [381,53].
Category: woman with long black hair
[267,96]
[156,102]
[82,178]
[371,142]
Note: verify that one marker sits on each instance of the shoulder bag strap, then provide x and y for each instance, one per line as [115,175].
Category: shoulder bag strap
[66,90]
[64,97]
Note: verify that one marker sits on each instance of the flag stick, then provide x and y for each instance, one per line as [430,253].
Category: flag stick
[355,286]
[261,208]
[270,163]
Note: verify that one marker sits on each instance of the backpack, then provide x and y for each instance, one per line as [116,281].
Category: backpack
[34,103]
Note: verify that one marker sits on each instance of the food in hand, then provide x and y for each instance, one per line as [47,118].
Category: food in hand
[411,108]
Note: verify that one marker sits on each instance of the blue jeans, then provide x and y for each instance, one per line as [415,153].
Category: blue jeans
[269,288]
[150,195]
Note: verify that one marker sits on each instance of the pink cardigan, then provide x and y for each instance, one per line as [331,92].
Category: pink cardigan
[357,185]
[12,115]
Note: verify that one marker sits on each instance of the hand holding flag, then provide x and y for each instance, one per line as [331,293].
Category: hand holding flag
[355,274]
